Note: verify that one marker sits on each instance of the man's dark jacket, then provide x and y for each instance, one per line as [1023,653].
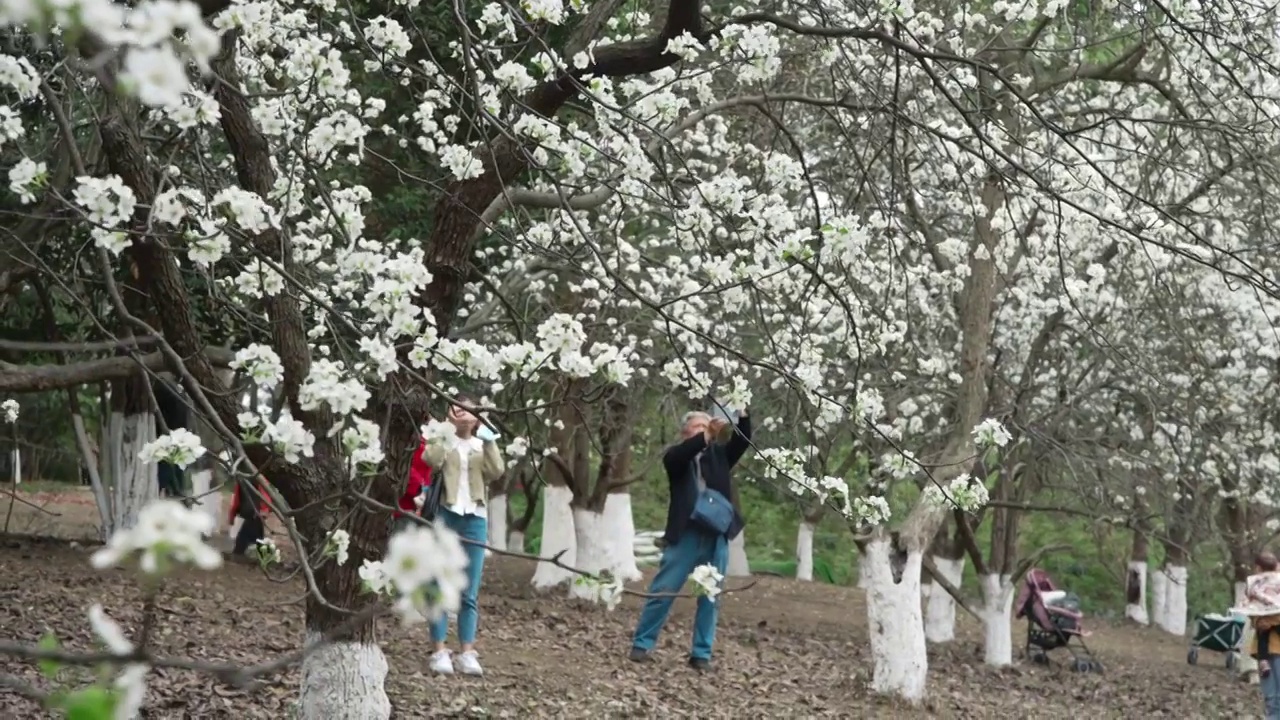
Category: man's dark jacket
[717,460]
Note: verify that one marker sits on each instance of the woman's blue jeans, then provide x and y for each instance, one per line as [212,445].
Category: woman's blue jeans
[475,528]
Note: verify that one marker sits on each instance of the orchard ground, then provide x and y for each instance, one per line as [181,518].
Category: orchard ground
[785,649]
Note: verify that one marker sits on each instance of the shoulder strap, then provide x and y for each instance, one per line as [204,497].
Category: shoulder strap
[697,472]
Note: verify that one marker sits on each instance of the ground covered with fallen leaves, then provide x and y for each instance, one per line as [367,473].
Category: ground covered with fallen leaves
[784,649]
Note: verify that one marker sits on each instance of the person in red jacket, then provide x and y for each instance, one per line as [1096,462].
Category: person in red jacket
[419,480]
[253,527]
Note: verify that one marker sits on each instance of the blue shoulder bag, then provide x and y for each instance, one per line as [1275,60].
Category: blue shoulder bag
[712,510]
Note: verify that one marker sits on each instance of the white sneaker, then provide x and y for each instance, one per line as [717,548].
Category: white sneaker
[442,662]
[469,663]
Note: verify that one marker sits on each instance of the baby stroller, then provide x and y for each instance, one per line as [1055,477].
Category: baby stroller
[1218,633]
[1053,621]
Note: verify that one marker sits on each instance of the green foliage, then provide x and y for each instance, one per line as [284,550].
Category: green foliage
[91,703]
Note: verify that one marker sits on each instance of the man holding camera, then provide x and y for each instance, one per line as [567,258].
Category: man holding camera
[698,529]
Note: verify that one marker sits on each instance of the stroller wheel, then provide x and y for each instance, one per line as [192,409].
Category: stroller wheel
[1080,665]
[1193,655]
[1095,666]
[1232,661]
[1040,659]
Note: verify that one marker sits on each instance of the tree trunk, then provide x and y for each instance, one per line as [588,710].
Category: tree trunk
[997,619]
[894,622]
[131,484]
[344,681]
[558,536]
[619,523]
[1159,597]
[804,552]
[1175,603]
[1136,581]
[499,512]
[1245,664]
[593,547]
[940,612]
[940,608]
[739,566]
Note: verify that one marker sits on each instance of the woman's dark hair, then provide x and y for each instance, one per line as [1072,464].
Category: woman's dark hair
[1266,561]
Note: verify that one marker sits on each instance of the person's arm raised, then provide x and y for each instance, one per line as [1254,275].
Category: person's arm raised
[679,456]
[741,440]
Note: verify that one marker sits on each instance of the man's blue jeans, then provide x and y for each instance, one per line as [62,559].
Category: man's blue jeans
[1270,686]
[468,527]
[695,547]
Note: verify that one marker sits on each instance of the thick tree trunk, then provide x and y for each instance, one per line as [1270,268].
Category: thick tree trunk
[1135,589]
[1159,597]
[804,552]
[497,509]
[894,622]
[344,681]
[997,620]
[594,548]
[940,611]
[131,483]
[1135,607]
[558,536]
[1175,604]
[620,525]
[739,566]
[1245,664]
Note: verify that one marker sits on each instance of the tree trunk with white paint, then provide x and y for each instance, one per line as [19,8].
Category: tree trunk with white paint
[515,541]
[940,607]
[1136,593]
[130,482]
[208,500]
[997,620]
[739,566]
[344,681]
[804,552]
[497,511]
[895,623]
[558,535]
[1245,663]
[1159,596]
[1175,604]
[621,527]
[593,548]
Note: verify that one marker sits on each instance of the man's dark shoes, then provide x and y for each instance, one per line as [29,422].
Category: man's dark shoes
[640,656]
[700,664]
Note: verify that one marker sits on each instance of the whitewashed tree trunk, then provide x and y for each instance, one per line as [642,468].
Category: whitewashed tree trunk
[895,623]
[862,573]
[497,511]
[997,620]
[621,527]
[804,552]
[515,541]
[1159,596]
[1175,604]
[558,535]
[1137,611]
[1245,664]
[344,681]
[132,482]
[208,501]
[594,551]
[738,564]
[17,466]
[940,607]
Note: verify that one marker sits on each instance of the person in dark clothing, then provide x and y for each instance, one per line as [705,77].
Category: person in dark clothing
[252,514]
[174,413]
[687,544]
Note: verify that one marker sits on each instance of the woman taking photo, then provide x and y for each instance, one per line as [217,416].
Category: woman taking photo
[466,465]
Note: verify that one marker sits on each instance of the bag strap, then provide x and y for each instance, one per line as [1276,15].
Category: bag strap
[697,472]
